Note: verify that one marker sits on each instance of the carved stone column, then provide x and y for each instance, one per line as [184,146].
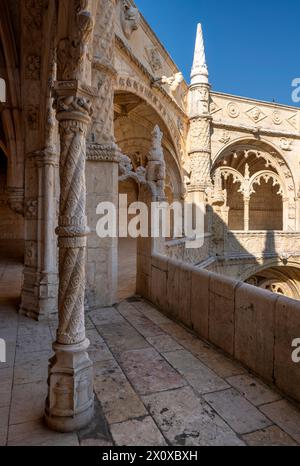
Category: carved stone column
[102,162]
[47,282]
[246,213]
[70,401]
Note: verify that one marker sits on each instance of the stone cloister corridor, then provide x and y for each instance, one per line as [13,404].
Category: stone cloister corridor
[155,383]
[115,331]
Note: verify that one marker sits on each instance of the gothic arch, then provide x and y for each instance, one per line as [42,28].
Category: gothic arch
[134,123]
[277,156]
[255,269]
[128,84]
[270,163]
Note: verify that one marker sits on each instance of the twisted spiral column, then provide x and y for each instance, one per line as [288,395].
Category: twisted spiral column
[70,401]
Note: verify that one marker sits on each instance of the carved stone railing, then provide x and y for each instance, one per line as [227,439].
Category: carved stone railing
[253,326]
[260,243]
[176,249]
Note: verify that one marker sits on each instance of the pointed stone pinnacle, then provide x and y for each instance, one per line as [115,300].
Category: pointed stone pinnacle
[199,74]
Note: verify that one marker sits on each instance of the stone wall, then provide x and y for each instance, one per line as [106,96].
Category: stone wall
[254,326]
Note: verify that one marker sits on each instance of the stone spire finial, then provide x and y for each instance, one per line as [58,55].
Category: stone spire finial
[199,74]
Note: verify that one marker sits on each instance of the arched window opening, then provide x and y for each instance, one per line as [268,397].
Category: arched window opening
[266,207]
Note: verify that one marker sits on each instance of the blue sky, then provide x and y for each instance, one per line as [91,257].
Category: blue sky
[252,46]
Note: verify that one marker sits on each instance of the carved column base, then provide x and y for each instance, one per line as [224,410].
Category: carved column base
[39,295]
[70,401]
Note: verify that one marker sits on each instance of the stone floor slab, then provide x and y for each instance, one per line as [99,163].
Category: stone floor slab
[98,350]
[241,415]
[32,371]
[271,437]
[286,416]
[139,321]
[164,343]
[3,437]
[5,393]
[104,316]
[121,337]
[253,389]
[35,433]
[4,414]
[28,402]
[151,313]
[212,358]
[118,399]
[185,420]
[202,379]
[149,372]
[138,432]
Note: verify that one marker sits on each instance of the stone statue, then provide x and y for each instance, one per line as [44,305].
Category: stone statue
[130,18]
[173,81]
[156,168]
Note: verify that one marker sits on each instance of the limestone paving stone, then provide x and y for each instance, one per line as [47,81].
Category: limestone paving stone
[28,402]
[141,323]
[5,393]
[185,420]
[286,416]
[23,358]
[202,379]
[6,373]
[241,415]
[178,332]
[107,315]
[98,350]
[151,313]
[118,399]
[31,371]
[34,341]
[164,343]
[253,389]
[149,372]
[137,432]
[3,437]
[270,437]
[121,337]
[35,433]
[212,358]
[4,414]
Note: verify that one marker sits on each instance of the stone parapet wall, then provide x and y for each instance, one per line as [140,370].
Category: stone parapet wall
[258,242]
[254,326]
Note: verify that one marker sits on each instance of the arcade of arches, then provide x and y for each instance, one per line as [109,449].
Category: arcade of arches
[101,110]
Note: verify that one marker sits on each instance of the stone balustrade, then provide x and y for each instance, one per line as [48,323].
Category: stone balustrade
[176,249]
[260,242]
[254,326]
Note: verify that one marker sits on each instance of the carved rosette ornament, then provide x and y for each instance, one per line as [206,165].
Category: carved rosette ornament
[70,402]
